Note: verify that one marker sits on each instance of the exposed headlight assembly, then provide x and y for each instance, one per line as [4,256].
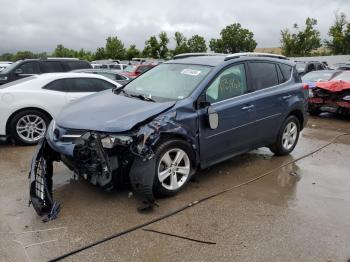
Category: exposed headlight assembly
[111,141]
[346,98]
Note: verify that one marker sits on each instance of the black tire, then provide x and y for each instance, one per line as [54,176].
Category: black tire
[314,111]
[278,148]
[20,140]
[159,188]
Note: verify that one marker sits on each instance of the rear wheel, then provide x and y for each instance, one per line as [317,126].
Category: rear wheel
[287,137]
[29,126]
[173,167]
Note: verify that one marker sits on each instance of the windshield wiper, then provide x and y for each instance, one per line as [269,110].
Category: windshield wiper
[143,97]
[139,96]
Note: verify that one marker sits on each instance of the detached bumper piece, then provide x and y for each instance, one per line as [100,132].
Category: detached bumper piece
[40,189]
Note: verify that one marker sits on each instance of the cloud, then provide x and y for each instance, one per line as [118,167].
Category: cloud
[39,25]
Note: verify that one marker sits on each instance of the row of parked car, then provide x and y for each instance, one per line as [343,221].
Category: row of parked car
[157,130]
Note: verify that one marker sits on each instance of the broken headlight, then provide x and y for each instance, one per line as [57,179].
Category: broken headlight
[111,141]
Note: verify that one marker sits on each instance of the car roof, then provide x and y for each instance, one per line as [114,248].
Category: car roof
[217,59]
[68,75]
[325,71]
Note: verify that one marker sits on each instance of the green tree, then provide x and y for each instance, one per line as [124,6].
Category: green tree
[7,57]
[114,48]
[233,39]
[339,44]
[163,45]
[61,51]
[196,44]
[301,42]
[100,53]
[20,55]
[151,48]
[157,48]
[132,52]
[181,44]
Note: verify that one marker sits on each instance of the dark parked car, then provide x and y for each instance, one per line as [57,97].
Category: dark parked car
[111,74]
[133,71]
[304,67]
[29,67]
[179,117]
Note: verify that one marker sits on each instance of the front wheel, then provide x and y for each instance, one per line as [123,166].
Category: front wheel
[28,126]
[287,137]
[173,167]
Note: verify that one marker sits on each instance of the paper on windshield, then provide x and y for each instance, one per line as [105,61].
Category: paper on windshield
[190,72]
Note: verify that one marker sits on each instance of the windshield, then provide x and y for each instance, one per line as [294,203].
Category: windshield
[168,81]
[22,80]
[300,67]
[317,77]
[345,76]
[9,68]
[130,69]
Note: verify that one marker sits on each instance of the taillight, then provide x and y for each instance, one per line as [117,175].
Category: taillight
[305,86]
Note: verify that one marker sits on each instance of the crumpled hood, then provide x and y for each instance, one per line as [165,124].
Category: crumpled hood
[334,85]
[108,112]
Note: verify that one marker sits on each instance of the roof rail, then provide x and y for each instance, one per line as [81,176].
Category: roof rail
[237,55]
[185,55]
[62,58]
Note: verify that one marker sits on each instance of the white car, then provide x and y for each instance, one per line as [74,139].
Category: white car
[28,104]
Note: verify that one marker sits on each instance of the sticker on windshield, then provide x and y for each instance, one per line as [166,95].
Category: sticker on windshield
[190,72]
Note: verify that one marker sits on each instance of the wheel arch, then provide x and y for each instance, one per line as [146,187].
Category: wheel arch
[176,136]
[298,114]
[23,109]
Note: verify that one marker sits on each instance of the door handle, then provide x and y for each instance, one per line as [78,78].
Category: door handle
[286,97]
[248,107]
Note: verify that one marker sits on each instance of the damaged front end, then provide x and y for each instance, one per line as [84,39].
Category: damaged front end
[106,160]
[332,96]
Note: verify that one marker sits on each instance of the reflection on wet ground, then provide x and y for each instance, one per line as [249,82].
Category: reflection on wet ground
[300,212]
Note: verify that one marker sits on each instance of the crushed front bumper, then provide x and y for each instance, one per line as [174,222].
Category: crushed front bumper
[40,185]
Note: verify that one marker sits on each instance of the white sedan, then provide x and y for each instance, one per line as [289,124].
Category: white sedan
[28,105]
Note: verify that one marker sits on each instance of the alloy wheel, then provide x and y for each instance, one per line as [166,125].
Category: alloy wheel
[290,134]
[174,169]
[31,128]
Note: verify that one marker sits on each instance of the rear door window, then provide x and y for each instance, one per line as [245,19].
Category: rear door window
[88,85]
[30,68]
[52,66]
[263,75]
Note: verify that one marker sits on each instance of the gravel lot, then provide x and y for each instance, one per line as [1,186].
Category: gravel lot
[299,212]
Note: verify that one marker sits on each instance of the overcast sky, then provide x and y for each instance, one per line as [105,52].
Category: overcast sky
[39,25]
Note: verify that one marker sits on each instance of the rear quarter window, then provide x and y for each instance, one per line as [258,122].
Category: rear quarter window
[286,71]
[57,85]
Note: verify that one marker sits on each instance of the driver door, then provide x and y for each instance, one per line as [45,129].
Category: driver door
[235,109]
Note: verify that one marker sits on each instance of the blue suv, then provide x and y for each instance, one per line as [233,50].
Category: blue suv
[177,118]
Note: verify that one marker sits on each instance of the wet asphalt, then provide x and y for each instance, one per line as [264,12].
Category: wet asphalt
[298,212]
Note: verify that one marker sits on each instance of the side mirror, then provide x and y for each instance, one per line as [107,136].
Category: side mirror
[213,118]
[18,71]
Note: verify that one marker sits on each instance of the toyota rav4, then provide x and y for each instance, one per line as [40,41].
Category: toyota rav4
[175,119]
